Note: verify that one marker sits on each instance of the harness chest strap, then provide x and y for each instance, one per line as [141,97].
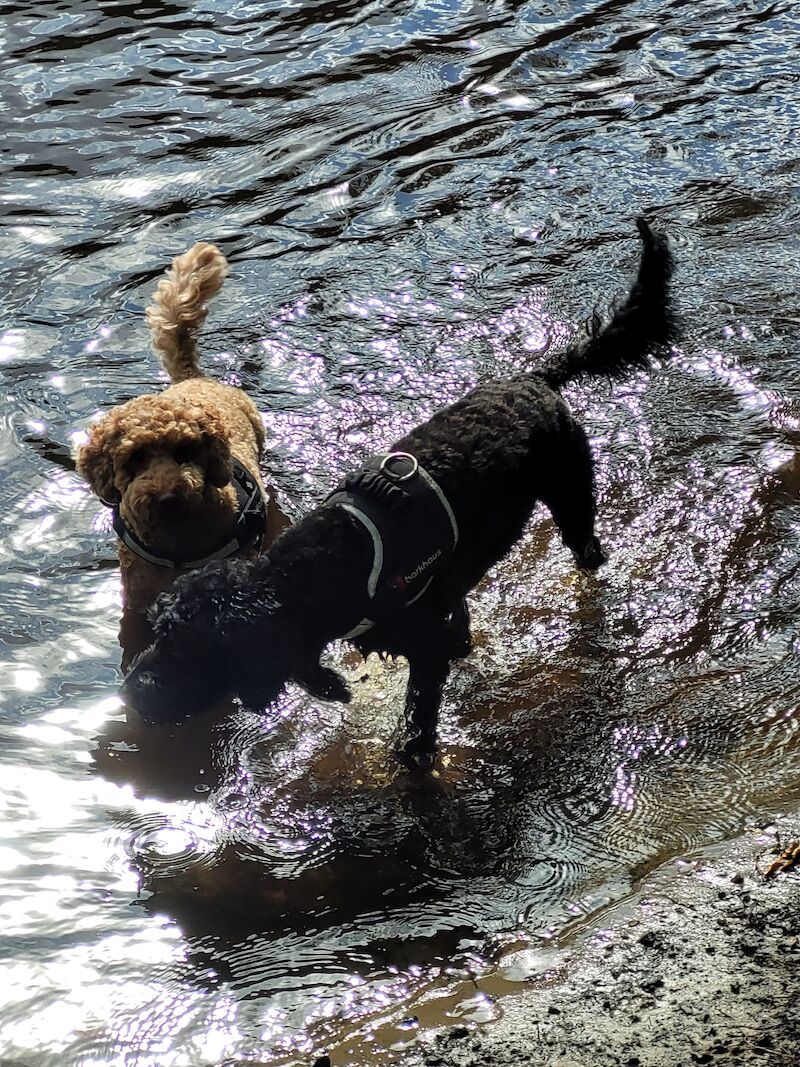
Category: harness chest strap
[411,525]
[249,527]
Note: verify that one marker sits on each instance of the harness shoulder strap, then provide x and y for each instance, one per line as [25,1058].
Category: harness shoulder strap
[411,524]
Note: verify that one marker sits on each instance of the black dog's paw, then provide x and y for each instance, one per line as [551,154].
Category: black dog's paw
[418,753]
[590,556]
[324,684]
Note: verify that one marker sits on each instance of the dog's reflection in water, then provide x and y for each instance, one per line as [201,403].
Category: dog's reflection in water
[178,762]
[306,807]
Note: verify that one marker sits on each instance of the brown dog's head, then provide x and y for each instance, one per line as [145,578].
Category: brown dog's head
[165,462]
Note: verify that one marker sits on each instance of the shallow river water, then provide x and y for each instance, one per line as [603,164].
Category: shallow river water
[413,196]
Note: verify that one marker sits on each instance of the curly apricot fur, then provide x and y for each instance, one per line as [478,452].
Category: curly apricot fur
[166,459]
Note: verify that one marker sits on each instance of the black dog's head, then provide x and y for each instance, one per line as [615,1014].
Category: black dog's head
[221,631]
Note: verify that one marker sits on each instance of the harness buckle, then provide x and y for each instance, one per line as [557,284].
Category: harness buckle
[393,475]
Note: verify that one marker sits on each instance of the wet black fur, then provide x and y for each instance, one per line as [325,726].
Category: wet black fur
[250,627]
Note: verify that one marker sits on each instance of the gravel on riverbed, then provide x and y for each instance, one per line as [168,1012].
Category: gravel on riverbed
[701,967]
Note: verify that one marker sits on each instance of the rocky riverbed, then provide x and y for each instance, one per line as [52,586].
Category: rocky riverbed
[702,966]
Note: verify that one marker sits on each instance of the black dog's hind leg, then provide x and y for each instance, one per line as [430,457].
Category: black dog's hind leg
[567,489]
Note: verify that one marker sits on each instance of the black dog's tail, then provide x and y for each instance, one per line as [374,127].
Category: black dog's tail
[645,321]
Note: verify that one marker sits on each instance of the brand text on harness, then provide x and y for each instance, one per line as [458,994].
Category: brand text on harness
[423,566]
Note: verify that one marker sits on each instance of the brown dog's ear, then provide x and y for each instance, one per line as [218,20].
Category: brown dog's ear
[95,463]
[217,460]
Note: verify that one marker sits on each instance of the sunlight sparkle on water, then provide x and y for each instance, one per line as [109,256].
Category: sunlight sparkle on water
[134,188]
[631,743]
[741,382]
[35,235]
[27,679]
[11,344]
[103,333]
[339,196]
[10,858]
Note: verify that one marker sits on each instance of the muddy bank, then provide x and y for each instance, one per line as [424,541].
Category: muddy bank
[702,966]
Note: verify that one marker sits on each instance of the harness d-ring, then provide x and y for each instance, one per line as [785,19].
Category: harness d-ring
[399,455]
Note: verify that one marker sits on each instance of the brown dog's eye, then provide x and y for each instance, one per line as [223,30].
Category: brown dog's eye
[185,454]
[137,461]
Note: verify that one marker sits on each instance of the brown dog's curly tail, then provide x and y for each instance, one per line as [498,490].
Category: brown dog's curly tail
[645,321]
[179,308]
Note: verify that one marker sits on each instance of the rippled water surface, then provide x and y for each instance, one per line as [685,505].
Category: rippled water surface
[413,196]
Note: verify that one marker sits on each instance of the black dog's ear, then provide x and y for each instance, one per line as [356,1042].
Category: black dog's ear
[199,599]
[323,683]
[161,613]
[174,612]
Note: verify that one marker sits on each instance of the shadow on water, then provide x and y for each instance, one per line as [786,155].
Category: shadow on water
[413,197]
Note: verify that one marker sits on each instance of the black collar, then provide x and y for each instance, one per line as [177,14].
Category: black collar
[247,531]
[411,524]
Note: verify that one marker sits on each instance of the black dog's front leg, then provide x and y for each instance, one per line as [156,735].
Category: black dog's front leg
[458,630]
[426,679]
[429,666]
[436,643]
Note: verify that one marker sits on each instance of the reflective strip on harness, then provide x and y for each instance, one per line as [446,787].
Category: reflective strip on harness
[444,502]
[412,527]
[377,544]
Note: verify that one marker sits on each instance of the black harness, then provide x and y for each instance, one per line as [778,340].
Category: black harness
[412,526]
[251,522]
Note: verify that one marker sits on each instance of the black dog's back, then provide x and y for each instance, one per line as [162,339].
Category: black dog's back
[511,442]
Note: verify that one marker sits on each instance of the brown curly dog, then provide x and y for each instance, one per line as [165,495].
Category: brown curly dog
[180,469]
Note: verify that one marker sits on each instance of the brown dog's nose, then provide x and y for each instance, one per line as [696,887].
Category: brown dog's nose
[168,502]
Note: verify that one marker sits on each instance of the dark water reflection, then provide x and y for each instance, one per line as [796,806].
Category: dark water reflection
[412,196]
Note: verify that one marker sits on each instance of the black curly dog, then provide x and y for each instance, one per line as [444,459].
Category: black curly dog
[250,627]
